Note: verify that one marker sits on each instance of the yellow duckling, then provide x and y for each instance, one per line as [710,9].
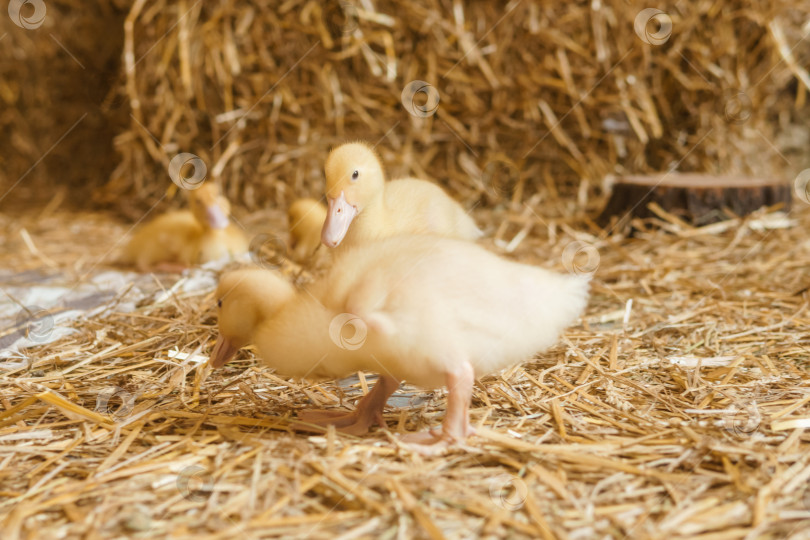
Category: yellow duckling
[363,206]
[433,311]
[306,217]
[181,238]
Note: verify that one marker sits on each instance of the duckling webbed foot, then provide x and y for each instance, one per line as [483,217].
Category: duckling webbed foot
[456,425]
[350,423]
[369,411]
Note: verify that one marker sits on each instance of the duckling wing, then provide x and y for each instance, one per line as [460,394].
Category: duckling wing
[168,238]
[306,340]
[418,207]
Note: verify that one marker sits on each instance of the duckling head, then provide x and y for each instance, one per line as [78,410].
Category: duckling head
[245,299]
[304,215]
[354,178]
[209,206]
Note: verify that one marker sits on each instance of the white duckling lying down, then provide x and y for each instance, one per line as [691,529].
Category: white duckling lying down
[433,311]
[363,206]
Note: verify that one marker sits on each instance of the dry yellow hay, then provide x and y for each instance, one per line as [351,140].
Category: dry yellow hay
[520,97]
[678,408]
[59,109]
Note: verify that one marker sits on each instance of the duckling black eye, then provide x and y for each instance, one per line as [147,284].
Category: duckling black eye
[355,174]
[219,303]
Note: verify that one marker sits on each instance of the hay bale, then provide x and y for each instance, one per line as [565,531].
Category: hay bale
[58,114]
[565,95]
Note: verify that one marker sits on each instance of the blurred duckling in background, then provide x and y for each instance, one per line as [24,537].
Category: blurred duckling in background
[363,206]
[306,217]
[429,310]
[182,238]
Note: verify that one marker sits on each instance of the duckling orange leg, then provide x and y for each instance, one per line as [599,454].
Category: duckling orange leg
[367,413]
[456,425]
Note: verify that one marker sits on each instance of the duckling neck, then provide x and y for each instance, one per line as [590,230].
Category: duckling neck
[209,229]
[371,220]
[296,341]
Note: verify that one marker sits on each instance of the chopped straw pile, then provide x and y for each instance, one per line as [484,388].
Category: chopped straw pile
[679,407]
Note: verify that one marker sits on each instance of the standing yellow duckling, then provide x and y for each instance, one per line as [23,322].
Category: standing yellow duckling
[181,238]
[306,217]
[433,311]
[363,206]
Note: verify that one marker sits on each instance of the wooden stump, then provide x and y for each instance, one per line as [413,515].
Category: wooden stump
[697,198]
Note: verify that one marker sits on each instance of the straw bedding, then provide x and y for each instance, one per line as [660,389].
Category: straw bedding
[679,407]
